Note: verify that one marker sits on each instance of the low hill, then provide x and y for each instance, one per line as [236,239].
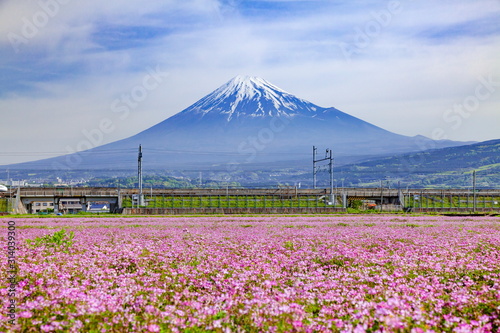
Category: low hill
[445,167]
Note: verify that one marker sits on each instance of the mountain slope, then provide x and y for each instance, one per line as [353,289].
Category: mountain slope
[246,121]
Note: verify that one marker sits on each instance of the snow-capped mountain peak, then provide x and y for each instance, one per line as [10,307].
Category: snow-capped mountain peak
[249,86]
[250,96]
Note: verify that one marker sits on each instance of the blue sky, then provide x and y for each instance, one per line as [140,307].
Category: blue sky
[412,67]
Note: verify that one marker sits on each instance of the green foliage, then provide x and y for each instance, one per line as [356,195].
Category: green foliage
[5,206]
[335,262]
[313,308]
[59,240]
[220,315]
[194,262]
[356,204]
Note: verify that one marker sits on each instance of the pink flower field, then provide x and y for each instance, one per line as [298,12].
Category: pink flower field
[256,274]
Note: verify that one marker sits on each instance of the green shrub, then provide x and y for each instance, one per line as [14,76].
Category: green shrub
[356,204]
[59,239]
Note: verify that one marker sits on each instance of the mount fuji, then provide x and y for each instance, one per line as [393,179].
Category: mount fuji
[244,122]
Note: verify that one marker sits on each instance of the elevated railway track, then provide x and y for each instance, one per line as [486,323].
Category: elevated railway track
[241,200]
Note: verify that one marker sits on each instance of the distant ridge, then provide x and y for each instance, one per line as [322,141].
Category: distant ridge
[446,167]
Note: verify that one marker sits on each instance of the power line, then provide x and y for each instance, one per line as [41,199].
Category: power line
[63,153]
[126,150]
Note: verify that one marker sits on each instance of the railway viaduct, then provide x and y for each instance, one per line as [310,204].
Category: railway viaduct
[240,200]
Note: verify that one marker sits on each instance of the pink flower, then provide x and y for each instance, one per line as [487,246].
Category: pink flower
[25,314]
[47,328]
[153,328]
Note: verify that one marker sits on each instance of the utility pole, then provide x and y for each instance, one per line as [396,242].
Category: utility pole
[344,196]
[400,195]
[314,166]
[139,175]
[332,199]
[474,202]
[381,195]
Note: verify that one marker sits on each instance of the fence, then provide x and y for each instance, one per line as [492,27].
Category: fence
[297,201]
[449,201]
[234,201]
[273,200]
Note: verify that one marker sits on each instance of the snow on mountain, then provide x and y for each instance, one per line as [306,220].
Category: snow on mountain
[251,96]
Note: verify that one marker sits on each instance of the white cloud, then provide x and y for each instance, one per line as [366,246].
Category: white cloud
[65,79]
